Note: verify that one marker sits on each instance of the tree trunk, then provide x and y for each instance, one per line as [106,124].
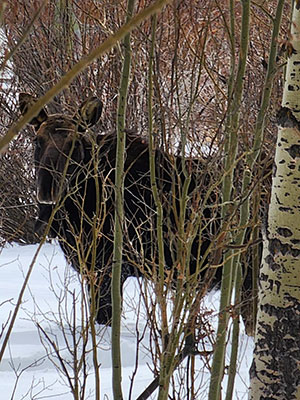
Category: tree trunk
[218,364]
[275,371]
[119,217]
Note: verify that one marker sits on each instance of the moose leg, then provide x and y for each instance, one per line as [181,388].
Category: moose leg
[250,267]
[248,302]
[103,297]
[103,304]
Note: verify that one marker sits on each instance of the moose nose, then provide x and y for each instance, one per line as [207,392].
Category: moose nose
[44,198]
[47,192]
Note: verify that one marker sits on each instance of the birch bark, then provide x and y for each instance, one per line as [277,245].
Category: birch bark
[275,371]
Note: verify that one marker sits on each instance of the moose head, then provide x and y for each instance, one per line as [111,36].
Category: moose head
[58,145]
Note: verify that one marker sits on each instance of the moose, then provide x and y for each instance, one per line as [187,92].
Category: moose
[75,174]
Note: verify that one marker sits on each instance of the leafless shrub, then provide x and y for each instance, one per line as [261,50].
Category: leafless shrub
[191,72]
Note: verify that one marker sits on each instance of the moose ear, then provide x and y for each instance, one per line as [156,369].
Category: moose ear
[89,113]
[26,100]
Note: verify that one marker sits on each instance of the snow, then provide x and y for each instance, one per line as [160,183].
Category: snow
[30,368]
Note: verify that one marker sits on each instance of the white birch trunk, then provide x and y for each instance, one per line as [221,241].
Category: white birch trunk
[275,371]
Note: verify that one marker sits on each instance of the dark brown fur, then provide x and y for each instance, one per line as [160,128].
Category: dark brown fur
[75,175]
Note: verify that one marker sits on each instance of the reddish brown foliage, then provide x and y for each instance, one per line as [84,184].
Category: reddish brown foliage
[192,67]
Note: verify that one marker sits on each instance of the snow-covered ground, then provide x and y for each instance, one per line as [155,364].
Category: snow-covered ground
[31,369]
